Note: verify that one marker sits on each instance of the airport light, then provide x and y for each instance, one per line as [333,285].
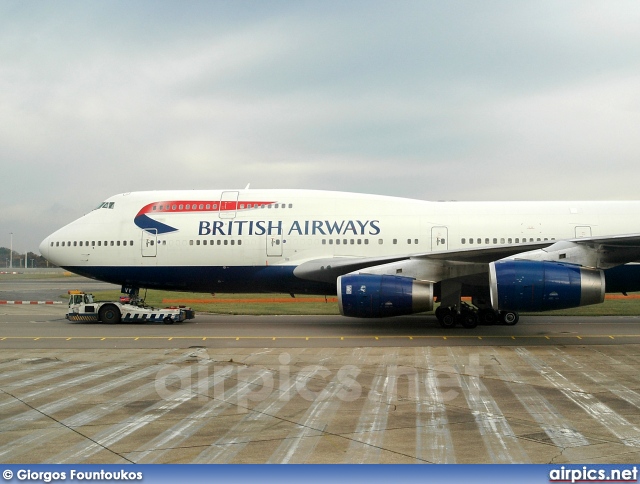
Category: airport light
[11,253]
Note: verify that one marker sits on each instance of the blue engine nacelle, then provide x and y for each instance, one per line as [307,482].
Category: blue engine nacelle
[523,285]
[374,296]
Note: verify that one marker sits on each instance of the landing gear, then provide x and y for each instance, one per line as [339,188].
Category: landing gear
[509,317]
[133,294]
[453,310]
[488,316]
[466,316]
[446,317]
[469,317]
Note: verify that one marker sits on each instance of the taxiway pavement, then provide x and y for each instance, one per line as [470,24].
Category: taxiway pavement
[295,389]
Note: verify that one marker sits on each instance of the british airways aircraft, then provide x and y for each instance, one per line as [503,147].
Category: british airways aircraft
[383,256]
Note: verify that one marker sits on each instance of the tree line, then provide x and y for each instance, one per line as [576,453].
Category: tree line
[33,260]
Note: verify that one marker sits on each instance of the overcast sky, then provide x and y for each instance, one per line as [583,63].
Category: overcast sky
[466,100]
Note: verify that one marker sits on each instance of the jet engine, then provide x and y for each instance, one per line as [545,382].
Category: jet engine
[379,296]
[523,285]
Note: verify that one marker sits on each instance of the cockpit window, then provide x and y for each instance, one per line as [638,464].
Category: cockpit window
[105,205]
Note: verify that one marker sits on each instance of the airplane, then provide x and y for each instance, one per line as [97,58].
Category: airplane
[383,256]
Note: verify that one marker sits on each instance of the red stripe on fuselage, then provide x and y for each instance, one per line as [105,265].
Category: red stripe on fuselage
[198,206]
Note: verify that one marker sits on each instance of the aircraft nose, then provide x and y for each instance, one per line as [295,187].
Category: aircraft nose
[44,248]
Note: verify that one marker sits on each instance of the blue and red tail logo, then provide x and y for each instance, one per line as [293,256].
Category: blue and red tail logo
[144,219]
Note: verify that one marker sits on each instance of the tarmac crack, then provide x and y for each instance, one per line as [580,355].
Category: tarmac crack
[75,431]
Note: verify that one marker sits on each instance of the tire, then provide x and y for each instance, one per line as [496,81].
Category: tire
[447,318]
[488,317]
[167,320]
[468,320]
[109,314]
[510,318]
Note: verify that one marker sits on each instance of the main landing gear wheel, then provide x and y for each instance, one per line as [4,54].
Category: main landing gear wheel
[446,317]
[109,314]
[468,320]
[509,317]
[488,316]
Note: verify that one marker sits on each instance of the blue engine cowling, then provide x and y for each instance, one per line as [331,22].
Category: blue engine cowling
[375,296]
[522,285]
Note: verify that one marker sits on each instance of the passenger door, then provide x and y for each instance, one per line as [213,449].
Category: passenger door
[149,242]
[228,204]
[439,238]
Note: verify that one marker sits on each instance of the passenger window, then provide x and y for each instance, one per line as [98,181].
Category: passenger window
[463,241]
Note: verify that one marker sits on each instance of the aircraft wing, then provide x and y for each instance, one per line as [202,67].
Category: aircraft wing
[592,251]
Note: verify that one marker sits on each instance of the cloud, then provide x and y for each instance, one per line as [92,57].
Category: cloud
[437,100]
